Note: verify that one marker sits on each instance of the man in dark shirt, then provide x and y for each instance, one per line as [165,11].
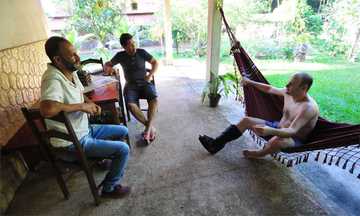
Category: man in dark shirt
[138,83]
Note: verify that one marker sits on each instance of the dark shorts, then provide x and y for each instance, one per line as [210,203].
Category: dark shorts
[275,124]
[134,92]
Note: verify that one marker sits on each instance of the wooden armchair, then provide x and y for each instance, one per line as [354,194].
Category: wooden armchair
[38,127]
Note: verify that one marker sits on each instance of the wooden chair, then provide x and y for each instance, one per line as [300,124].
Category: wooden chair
[94,61]
[38,127]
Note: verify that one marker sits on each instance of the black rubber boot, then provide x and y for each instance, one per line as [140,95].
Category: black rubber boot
[215,145]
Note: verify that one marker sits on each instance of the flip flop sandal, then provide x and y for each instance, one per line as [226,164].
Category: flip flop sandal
[146,137]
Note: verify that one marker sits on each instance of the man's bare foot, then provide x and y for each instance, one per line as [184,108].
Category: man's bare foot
[146,136]
[251,154]
[152,134]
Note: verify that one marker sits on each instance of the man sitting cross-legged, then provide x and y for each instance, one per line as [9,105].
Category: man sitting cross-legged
[300,114]
[138,83]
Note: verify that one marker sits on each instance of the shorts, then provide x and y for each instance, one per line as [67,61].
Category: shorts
[134,92]
[275,124]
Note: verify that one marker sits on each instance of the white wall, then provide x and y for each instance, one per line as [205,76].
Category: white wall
[21,22]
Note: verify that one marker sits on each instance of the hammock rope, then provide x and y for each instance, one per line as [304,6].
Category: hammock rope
[332,143]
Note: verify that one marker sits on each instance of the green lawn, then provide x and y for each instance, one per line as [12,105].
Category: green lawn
[336,85]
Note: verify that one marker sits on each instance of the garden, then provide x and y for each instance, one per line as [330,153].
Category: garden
[320,37]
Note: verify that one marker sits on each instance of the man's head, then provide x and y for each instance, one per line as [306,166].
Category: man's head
[62,53]
[299,84]
[128,43]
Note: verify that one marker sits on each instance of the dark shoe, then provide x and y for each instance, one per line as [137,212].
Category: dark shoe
[210,145]
[118,192]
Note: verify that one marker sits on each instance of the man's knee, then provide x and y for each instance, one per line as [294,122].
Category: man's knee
[153,100]
[124,131]
[132,106]
[123,149]
[244,122]
[278,142]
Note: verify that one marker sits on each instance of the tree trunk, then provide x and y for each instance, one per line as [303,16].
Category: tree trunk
[270,3]
[352,54]
[320,4]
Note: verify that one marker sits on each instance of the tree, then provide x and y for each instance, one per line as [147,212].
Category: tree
[343,26]
[189,24]
[102,18]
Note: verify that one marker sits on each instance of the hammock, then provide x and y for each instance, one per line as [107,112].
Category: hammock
[342,141]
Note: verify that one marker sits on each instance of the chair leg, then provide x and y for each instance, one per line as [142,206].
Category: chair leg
[128,141]
[56,169]
[128,113]
[90,179]
[123,117]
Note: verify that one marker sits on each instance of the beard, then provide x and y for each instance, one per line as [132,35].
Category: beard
[69,65]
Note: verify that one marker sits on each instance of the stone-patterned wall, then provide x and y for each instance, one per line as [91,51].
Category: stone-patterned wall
[20,78]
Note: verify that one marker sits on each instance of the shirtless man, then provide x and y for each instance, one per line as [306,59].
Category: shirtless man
[300,115]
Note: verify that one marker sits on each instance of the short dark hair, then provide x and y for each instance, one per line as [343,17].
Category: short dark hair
[124,38]
[306,79]
[52,46]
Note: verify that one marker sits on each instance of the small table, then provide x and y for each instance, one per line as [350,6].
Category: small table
[106,97]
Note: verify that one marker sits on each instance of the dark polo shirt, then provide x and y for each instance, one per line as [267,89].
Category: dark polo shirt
[133,66]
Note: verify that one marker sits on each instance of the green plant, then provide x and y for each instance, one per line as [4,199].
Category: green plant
[220,85]
[77,40]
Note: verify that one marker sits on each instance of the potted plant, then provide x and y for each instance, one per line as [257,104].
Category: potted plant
[134,4]
[219,85]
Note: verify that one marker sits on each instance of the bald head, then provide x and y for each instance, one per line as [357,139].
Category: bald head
[306,79]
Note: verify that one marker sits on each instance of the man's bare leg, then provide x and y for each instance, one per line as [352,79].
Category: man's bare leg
[151,114]
[274,145]
[138,114]
[248,122]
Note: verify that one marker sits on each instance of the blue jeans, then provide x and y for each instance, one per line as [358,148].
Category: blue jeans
[95,145]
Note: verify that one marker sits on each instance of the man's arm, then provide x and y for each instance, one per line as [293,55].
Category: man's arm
[154,67]
[49,108]
[263,87]
[304,116]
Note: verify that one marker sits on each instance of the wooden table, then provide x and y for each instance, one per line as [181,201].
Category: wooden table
[106,97]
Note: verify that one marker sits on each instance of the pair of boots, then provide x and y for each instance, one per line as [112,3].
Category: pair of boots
[214,145]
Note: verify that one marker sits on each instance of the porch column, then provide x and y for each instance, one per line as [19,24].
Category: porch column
[167,30]
[214,38]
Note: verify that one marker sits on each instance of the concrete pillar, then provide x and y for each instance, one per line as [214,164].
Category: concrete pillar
[214,37]
[168,34]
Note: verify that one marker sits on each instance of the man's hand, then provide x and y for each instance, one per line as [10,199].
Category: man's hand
[261,130]
[245,81]
[91,108]
[108,69]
